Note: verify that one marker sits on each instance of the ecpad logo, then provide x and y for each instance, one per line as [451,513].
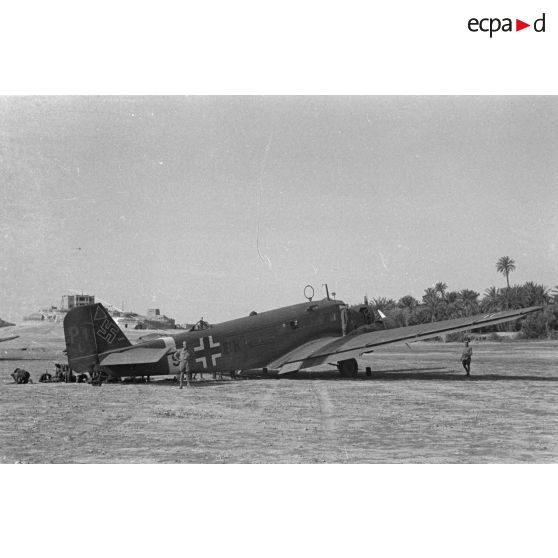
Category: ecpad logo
[493,25]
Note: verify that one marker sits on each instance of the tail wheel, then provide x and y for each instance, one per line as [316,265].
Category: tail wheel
[348,368]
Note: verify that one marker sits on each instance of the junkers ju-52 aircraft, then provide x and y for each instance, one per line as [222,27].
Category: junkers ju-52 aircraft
[285,340]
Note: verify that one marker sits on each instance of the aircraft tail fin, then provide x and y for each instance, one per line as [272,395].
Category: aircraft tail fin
[90,331]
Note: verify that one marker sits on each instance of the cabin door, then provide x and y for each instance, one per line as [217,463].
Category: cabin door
[344,320]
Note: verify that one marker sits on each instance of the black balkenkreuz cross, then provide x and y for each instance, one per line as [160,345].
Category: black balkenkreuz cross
[207,349]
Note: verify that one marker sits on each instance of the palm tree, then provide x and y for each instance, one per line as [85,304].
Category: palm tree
[432,302]
[505,265]
[535,294]
[441,288]
[382,303]
[492,301]
[515,298]
[407,304]
[453,309]
[469,301]
[407,301]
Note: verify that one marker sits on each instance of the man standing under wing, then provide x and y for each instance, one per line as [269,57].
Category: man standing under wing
[466,358]
[185,359]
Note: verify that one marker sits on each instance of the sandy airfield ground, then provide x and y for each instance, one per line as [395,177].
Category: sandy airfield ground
[417,407]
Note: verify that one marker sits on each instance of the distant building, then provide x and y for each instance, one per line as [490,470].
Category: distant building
[156,320]
[51,314]
[55,314]
[128,321]
[73,301]
[125,320]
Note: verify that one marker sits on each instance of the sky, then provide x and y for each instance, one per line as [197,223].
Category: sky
[217,206]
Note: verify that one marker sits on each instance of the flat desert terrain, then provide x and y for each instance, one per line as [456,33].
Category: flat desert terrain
[417,407]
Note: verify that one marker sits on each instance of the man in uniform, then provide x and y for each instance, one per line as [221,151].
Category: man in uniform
[185,360]
[96,375]
[21,376]
[466,358]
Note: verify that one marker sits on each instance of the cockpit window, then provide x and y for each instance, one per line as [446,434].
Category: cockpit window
[199,326]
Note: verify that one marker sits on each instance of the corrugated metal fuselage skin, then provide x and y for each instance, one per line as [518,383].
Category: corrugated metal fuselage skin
[244,343]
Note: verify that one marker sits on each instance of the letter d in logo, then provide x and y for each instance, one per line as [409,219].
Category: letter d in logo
[539,24]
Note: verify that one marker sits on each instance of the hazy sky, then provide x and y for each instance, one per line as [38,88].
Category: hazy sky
[216,206]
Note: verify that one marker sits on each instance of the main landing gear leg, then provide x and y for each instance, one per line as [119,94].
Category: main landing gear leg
[348,368]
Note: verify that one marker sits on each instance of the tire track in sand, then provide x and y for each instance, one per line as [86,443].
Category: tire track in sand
[327,415]
[267,400]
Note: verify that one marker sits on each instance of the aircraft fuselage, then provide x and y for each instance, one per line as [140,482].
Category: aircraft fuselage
[244,343]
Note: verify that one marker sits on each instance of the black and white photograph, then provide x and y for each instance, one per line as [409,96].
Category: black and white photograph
[278,278]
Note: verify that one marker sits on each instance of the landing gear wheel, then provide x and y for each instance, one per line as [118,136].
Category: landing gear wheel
[98,376]
[348,368]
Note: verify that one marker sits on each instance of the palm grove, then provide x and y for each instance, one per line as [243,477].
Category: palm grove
[439,303]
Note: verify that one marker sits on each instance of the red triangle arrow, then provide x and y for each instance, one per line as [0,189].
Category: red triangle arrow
[519,25]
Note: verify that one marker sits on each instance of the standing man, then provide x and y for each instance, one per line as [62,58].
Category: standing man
[185,359]
[466,358]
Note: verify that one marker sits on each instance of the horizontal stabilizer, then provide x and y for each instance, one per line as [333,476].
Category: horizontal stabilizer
[134,355]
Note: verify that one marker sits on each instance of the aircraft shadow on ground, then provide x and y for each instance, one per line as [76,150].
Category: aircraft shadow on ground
[405,374]
[399,374]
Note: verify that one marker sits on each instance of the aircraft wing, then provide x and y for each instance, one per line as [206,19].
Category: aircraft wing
[354,346]
[291,361]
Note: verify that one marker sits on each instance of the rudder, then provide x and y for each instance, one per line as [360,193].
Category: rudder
[90,331]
